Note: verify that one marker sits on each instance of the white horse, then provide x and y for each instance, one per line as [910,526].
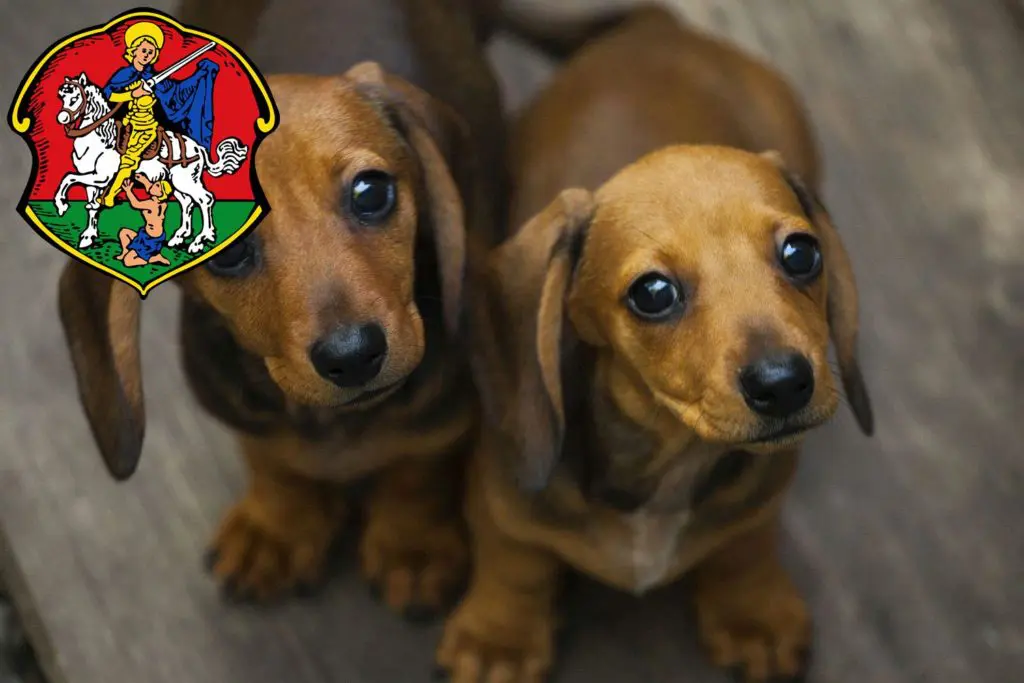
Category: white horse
[86,118]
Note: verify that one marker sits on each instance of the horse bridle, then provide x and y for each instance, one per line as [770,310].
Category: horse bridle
[76,115]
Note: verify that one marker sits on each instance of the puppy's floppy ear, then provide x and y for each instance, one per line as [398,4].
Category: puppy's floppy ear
[842,295]
[440,139]
[100,316]
[522,337]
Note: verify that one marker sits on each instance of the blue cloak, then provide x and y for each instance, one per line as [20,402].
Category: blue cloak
[187,103]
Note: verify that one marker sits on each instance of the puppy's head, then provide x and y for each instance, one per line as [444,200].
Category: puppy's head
[708,280]
[325,290]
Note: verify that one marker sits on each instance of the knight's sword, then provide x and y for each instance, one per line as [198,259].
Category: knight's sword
[150,82]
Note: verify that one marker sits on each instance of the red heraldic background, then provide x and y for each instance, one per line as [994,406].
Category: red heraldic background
[99,57]
[188,203]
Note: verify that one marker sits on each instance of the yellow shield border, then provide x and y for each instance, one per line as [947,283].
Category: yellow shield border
[21,123]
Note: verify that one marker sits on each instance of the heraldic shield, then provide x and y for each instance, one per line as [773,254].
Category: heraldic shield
[143,133]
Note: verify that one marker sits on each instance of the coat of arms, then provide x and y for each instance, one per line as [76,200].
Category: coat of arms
[143,132]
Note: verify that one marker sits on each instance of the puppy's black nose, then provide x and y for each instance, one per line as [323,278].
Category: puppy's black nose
[778,385]
[351,355]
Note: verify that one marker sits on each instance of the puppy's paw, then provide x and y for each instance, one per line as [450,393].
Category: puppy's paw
[763,635]
[486,642]
[416,568]
[258,556]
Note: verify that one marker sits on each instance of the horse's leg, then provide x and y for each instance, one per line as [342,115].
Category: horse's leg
[92,207]
[187,180]
[185,231]
[209,233]
[102,171]
[94,183]
[60,199]
[182,192]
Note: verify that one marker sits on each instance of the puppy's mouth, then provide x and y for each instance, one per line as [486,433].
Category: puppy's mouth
[785,434]
[372,396]
[790,431]
[715,429]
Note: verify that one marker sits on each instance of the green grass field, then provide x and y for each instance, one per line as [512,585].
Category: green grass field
[227,218]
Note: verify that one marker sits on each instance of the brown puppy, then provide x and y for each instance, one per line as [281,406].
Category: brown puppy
[321,339]
[645,82]
[651,355]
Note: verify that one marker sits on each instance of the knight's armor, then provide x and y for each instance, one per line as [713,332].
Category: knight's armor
[143,127]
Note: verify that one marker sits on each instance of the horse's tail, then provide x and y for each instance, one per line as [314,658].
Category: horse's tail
[230,155]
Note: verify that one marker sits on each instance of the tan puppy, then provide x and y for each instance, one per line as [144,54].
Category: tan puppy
[327,338]
[652,353]
[646,82]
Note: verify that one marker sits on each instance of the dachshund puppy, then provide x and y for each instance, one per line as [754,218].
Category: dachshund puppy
[643,80]
[651,349]
[327,338]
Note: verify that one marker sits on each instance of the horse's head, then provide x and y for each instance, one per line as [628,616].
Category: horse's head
[72,93]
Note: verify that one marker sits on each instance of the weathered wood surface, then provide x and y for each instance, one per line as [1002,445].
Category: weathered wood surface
[909,545]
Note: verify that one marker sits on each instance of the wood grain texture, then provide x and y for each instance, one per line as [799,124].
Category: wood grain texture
[908,545]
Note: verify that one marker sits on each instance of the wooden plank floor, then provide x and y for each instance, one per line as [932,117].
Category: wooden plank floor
[909,545]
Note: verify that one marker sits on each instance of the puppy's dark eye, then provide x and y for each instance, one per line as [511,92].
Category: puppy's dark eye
[372,196]
[238,259]
[653,296]
[800,256]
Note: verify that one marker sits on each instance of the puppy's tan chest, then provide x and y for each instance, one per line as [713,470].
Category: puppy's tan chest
[654,545]
[642,550]
[633,551]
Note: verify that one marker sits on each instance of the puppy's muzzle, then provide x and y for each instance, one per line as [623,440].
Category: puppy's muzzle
[778,385]
[351,355]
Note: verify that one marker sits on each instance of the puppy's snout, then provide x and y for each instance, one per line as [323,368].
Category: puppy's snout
[778,385]
[351,355]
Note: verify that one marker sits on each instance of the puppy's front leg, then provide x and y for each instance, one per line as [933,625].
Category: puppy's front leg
[749,614]
[504,629]
[414,547]
[275,539]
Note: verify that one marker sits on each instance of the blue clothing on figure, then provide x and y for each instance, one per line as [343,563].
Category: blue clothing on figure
[147,246]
